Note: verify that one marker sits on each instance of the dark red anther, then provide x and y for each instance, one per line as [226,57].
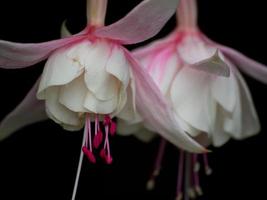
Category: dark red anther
[113,127]
[107,120]
[98,139]
[103,154]
[109,159]
[89,155]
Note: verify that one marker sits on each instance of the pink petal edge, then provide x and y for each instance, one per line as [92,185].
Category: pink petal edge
[18,55]
[247,65]
[142,23]
[155,111]
[29,111]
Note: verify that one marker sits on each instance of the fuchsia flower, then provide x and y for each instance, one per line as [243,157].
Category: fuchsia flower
[90,77]
[201,80]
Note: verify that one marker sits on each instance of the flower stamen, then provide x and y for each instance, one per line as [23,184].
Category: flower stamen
[208,169]
[158,163]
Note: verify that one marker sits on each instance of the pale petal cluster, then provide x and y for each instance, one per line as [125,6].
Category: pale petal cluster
[88,77]
[203,102]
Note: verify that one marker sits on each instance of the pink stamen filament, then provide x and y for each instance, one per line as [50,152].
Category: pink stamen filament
[208,170]
[106,146]
[88,122]
[179,194]
[195,174]
[79,165]
[189,193]
[96,124]
[158,164]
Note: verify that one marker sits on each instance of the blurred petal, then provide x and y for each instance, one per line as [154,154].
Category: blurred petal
[224,91]
[155,111]
[213,65]
[145,135]
[247,65]
[64,32]
[142,23]
[29,111]
[19,55]
[191,96]
[244,122]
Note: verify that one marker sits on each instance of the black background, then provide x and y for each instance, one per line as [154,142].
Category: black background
[39,162]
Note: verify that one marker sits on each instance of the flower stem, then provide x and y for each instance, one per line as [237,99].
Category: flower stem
[96,12]
[187,14]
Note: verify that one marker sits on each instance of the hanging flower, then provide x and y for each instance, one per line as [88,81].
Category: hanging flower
[89,77]
[202,83]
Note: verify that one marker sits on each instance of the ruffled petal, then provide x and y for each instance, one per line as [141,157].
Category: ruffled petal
[224,91]
[142,23]
[102,84]
[155,111]
[118,66]
[95,105]
[29,111]
[128,112]
[213,65]
[62,67]
[245,64]
[191,97]
[163,67]
[18,55]
[58,112]
[73,95]
[244,121]
[198,55]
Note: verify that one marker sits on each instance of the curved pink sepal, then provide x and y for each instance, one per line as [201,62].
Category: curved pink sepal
[247,65]
[18,55]
[142,23]
[156,113]
[29,111]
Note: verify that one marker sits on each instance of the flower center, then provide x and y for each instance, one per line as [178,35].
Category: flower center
[188,172]
[93,142]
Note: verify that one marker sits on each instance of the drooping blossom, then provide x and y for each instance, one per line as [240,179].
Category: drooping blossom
[90,77]
[205,89]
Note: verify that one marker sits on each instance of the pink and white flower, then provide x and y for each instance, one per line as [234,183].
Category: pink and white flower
[201,80]
[207,93]
[90,77]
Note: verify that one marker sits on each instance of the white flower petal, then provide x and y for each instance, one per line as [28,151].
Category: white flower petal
[224,91]
[218,135]
[102,84]
[118,66]
[128,112]
[96,105]
[72,95]
[59,69]
[145,135]
[162,68]
[191,98]
[192,50]
[58,111]
[244,122]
